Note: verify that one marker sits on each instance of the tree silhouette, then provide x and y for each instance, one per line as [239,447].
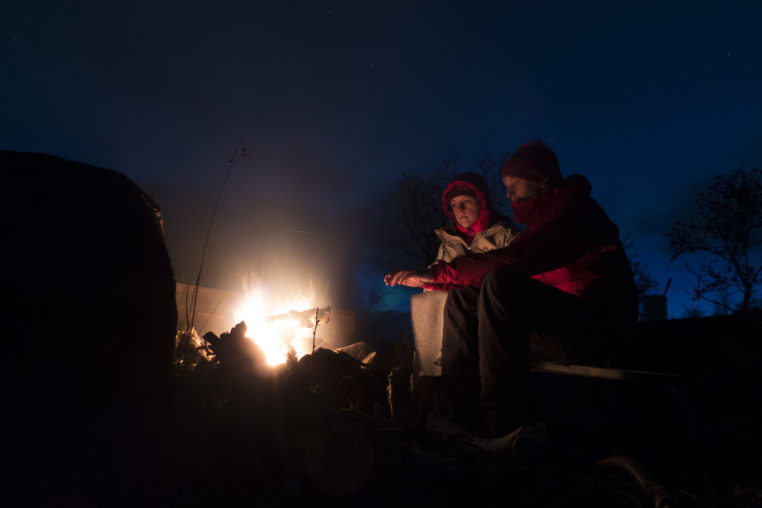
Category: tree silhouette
[721,240]
[413,214]
[645,285]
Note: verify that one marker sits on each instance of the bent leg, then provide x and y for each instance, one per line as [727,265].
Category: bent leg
[510,307]
[460,350]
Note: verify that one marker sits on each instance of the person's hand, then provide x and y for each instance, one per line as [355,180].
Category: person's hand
[410,278]
[396,277]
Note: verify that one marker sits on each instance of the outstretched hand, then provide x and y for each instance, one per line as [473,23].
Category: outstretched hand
[410,278]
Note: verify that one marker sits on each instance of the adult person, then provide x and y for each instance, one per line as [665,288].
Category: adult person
[567,268]
[474,226]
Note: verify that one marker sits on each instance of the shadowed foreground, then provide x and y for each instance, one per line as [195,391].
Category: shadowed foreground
[101,414]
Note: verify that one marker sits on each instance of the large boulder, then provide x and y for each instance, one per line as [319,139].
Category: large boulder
[89,334]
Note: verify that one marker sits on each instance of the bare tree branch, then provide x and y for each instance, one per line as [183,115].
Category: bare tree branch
[415,208]
[720,240]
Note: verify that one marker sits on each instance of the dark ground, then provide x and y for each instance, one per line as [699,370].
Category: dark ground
[295,437]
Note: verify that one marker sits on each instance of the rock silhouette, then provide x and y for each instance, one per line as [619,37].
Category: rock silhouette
[91,325]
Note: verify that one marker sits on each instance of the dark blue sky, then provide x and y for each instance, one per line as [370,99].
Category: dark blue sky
[649,100]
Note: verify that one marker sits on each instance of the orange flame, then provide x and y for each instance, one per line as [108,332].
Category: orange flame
[276,336]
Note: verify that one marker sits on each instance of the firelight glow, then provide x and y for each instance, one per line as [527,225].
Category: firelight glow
[273,332]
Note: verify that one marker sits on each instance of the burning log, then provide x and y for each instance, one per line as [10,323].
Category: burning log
[306,318]
[279,331]
[234,349]
[360,351]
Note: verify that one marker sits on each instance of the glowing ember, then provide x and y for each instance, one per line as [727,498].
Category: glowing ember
[274,327]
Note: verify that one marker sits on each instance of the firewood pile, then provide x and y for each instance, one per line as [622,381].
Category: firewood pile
[339,427]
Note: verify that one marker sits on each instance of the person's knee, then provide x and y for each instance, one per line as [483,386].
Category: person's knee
[507,289]
[460,300]
[503,280]
[492,279]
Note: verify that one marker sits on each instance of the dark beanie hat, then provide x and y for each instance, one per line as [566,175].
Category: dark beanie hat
[533,161]
[459,190]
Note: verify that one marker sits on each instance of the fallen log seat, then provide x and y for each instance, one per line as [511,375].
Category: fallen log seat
[688,348]
[595,372]
[682,390]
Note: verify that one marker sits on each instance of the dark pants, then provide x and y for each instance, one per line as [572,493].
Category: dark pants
[489,332]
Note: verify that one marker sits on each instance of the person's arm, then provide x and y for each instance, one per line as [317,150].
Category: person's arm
[409,278]
[440,255]
[566,239]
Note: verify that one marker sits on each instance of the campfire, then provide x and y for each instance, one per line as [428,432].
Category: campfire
[278,328]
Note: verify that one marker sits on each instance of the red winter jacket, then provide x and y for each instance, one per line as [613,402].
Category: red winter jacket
[570,244]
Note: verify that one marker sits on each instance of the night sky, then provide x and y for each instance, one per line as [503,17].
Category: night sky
[334,100]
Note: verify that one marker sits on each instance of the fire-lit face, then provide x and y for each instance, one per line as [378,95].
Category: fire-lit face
[465,208]
[521,189]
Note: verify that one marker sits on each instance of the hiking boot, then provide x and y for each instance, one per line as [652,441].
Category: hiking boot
[442,431]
